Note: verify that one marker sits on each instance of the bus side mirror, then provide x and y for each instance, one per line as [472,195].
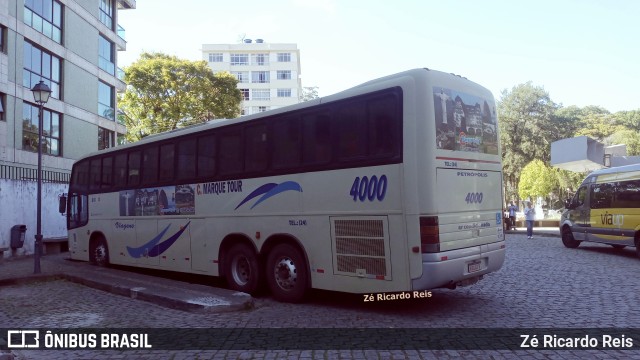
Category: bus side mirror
[62,205]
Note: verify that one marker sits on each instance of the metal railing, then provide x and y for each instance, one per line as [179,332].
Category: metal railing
[29,174]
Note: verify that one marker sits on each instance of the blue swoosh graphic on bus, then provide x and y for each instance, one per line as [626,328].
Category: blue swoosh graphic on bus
[257,192]
[139,251]
[152,248]
[163,246]
[269,190]
[285,186]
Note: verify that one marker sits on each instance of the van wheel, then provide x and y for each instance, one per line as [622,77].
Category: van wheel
[242,270]
[99,252]
[568,240]
[287,273]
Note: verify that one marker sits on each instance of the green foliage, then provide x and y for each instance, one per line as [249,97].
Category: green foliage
[528,126]
[537,179]
[309,93]
[631,138]
[165,93]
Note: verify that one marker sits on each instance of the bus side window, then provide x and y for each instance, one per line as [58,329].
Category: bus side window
[150,165]
[133,178]
[255,153]
[206,156]
[120,170]
[78,213]
[107,173]
[94,174]
[230,152]
[186,159]
[287,139]
[352,131]
[316,132]
[384,129]
[167,163]
[81,176]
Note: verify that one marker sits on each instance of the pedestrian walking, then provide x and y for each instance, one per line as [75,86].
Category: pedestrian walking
[529,216]
[512,216]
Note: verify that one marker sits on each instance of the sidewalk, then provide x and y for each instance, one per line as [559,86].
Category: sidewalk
[162,291]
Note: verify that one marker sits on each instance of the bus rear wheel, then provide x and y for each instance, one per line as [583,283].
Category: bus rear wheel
[568,240]
[99,252]
[287,273]
[242,270]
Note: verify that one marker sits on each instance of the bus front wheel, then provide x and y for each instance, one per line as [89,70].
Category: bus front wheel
[99,252]
[287,273]
[242,269]
[568,239]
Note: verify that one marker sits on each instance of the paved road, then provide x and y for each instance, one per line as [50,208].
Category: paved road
[542,285]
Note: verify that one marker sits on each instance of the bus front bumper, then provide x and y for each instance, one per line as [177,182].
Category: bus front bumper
[459,267]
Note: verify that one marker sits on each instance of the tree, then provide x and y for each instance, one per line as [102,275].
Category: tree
[536,180]
[165,93]
[528,126]
[309,93]
[631,138]
[597,123]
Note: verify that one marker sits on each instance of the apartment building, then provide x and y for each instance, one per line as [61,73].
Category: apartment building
[268,74]
[70,45]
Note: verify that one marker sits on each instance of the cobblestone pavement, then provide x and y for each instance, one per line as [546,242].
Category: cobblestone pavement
[542,285]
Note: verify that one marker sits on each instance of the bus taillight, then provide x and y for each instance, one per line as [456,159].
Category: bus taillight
[429,234]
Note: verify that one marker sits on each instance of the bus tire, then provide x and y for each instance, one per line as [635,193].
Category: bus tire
[287,273]
[568,239]
[99,252]
[638,245]
[242,269]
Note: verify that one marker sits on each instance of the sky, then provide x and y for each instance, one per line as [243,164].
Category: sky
[582,52]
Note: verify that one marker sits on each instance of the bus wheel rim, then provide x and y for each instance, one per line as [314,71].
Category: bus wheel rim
[241,270]
[285,273]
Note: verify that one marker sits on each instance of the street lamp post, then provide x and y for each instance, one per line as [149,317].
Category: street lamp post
[41,94]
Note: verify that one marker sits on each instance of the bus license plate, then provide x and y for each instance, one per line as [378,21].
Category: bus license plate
[474,266]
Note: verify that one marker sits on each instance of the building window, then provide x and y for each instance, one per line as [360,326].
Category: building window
[106,13]
[239,59]
[260,59]
[245,94]
[260,94]
[3,39]
[259,109]
[284,74]
[105,55]
[284,92]
[284,57]
[106,138]
[261,77]
[215,57]
[41,65]
[51,134]
[3,102]
[44,16]
[242,76]
[106,101]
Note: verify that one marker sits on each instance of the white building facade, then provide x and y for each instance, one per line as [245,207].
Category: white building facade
[268,74]
[71,45]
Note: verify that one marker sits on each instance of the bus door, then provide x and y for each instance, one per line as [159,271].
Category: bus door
[579,214]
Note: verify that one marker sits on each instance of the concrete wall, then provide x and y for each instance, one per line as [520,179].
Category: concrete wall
[13,195]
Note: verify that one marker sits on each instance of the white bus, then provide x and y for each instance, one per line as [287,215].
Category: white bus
[391,186]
